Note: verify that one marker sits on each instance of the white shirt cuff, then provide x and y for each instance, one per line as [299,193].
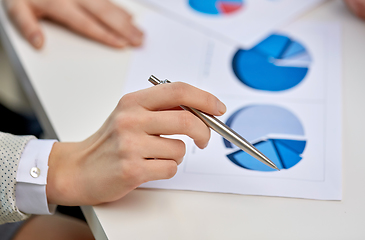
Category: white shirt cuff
[31,178]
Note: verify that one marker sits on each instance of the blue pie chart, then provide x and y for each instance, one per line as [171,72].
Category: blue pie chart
[216,7]
[277,63]
[273,130]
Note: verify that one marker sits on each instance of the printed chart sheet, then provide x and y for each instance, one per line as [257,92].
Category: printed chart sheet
[283,95]
[243,21]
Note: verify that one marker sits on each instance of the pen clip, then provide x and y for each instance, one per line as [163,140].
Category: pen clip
[155,81]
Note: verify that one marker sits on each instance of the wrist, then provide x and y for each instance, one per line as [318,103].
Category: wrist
[61,178]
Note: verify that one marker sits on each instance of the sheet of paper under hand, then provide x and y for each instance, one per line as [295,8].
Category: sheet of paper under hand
[283,95]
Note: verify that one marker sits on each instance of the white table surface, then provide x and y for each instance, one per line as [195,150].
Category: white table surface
[74,84]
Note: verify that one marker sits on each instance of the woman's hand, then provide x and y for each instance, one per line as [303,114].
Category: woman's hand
[100,20]
[128,149]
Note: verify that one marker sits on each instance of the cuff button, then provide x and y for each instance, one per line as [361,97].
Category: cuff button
[35,172]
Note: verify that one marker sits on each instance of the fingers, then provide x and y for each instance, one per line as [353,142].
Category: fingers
[167,96]
[179,122]
[26,21]
[116,19]
[98,19]
[159,169]
[76,19]
[163,148]
[169,122]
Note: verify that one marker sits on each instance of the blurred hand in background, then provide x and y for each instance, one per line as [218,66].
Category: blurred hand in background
[100,20]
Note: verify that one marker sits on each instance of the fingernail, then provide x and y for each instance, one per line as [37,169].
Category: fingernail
[36,40]
[221,107]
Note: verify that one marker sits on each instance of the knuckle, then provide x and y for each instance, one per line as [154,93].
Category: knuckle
[132,172]
[125,121]
[178,90]
[127,100]
[127,147]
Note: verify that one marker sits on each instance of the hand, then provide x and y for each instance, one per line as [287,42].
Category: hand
[357,6]
[128,149]
[100,20]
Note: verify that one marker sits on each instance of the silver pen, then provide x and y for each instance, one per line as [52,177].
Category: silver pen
[223,130]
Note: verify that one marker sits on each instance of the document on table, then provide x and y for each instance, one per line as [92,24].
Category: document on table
[283,95]
[244,21]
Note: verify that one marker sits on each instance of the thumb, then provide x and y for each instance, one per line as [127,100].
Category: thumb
[27,22]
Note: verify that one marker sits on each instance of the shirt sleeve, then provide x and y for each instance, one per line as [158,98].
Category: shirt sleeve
[31,178]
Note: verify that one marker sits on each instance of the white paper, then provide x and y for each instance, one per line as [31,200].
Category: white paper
[253,21]
[179,53]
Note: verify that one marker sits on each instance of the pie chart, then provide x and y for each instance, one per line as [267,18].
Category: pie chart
[277,63]
[273,130]
[216,7]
